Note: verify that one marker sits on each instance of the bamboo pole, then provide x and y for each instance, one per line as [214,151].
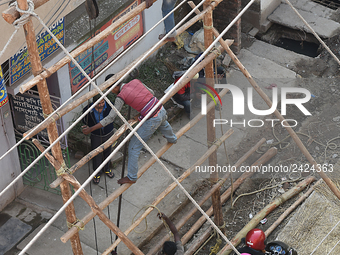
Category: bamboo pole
[94,207]
[172,186]
[102,35]
[211,133]
[290,209]
[52,127]
[185,218]
[199,242]
[262,160]
[141,171]
[265,211]
[11,14]
[58,114]
[291,132]
[95,152]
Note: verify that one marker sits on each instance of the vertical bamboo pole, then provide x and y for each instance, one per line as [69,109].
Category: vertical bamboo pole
[52,128]
[211,134]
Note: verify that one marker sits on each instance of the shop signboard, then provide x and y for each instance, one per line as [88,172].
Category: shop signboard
[3,91]
[20,63]
[107,49]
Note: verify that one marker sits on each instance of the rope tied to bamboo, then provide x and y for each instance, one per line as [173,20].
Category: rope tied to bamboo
[26,14]
[216,51]
[63,170]
[146,223]
[74,224]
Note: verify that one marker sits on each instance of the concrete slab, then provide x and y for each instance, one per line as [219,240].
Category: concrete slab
[324,27]
[313,7]
[11,233]
[49,242]
[285,58]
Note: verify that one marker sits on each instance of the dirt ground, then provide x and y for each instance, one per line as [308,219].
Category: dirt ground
[318,132]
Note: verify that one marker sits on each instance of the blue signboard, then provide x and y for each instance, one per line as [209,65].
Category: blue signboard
[20,63]
[3,91]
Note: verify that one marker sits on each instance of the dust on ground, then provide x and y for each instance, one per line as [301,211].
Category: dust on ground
[319,133]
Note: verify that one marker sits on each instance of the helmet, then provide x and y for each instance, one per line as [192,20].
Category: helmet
[255,239]
[278,248]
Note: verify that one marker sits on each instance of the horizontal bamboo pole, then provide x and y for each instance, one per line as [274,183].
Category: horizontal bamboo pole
[290,209]
[262,160]
[291,132]
[11,14]
[141,171]
[95,209]
[265,211]
[172,186]
[186,217]
[96,151]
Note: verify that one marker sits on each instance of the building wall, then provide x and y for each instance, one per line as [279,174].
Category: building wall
[9,165]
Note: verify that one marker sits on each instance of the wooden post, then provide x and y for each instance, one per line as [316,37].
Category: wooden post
[265,211]
[211,134]
[186,217]
[172,186]
[95,208]
[141,171]
[291,132]
[52,128]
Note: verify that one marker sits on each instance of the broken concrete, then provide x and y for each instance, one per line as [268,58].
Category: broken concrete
[285,15]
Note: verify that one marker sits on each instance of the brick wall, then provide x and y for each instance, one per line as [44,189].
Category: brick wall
[225,12]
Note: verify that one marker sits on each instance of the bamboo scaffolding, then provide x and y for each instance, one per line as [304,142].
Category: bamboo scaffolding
[141,171]
[102,35]
[262,160]
[291,132]
[47,109]
[290,209]
[95,152]
[11,14]
[172,186]
[265,211]
[89,200]
[58,114]
[185,218]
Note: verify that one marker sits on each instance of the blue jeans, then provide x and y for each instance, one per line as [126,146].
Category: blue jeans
[145,132]
[169,22]
[186,104]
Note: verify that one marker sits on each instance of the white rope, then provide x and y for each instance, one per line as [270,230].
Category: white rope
[333,247]
[70,99]
[325,237]
[136,128]
[314,33]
